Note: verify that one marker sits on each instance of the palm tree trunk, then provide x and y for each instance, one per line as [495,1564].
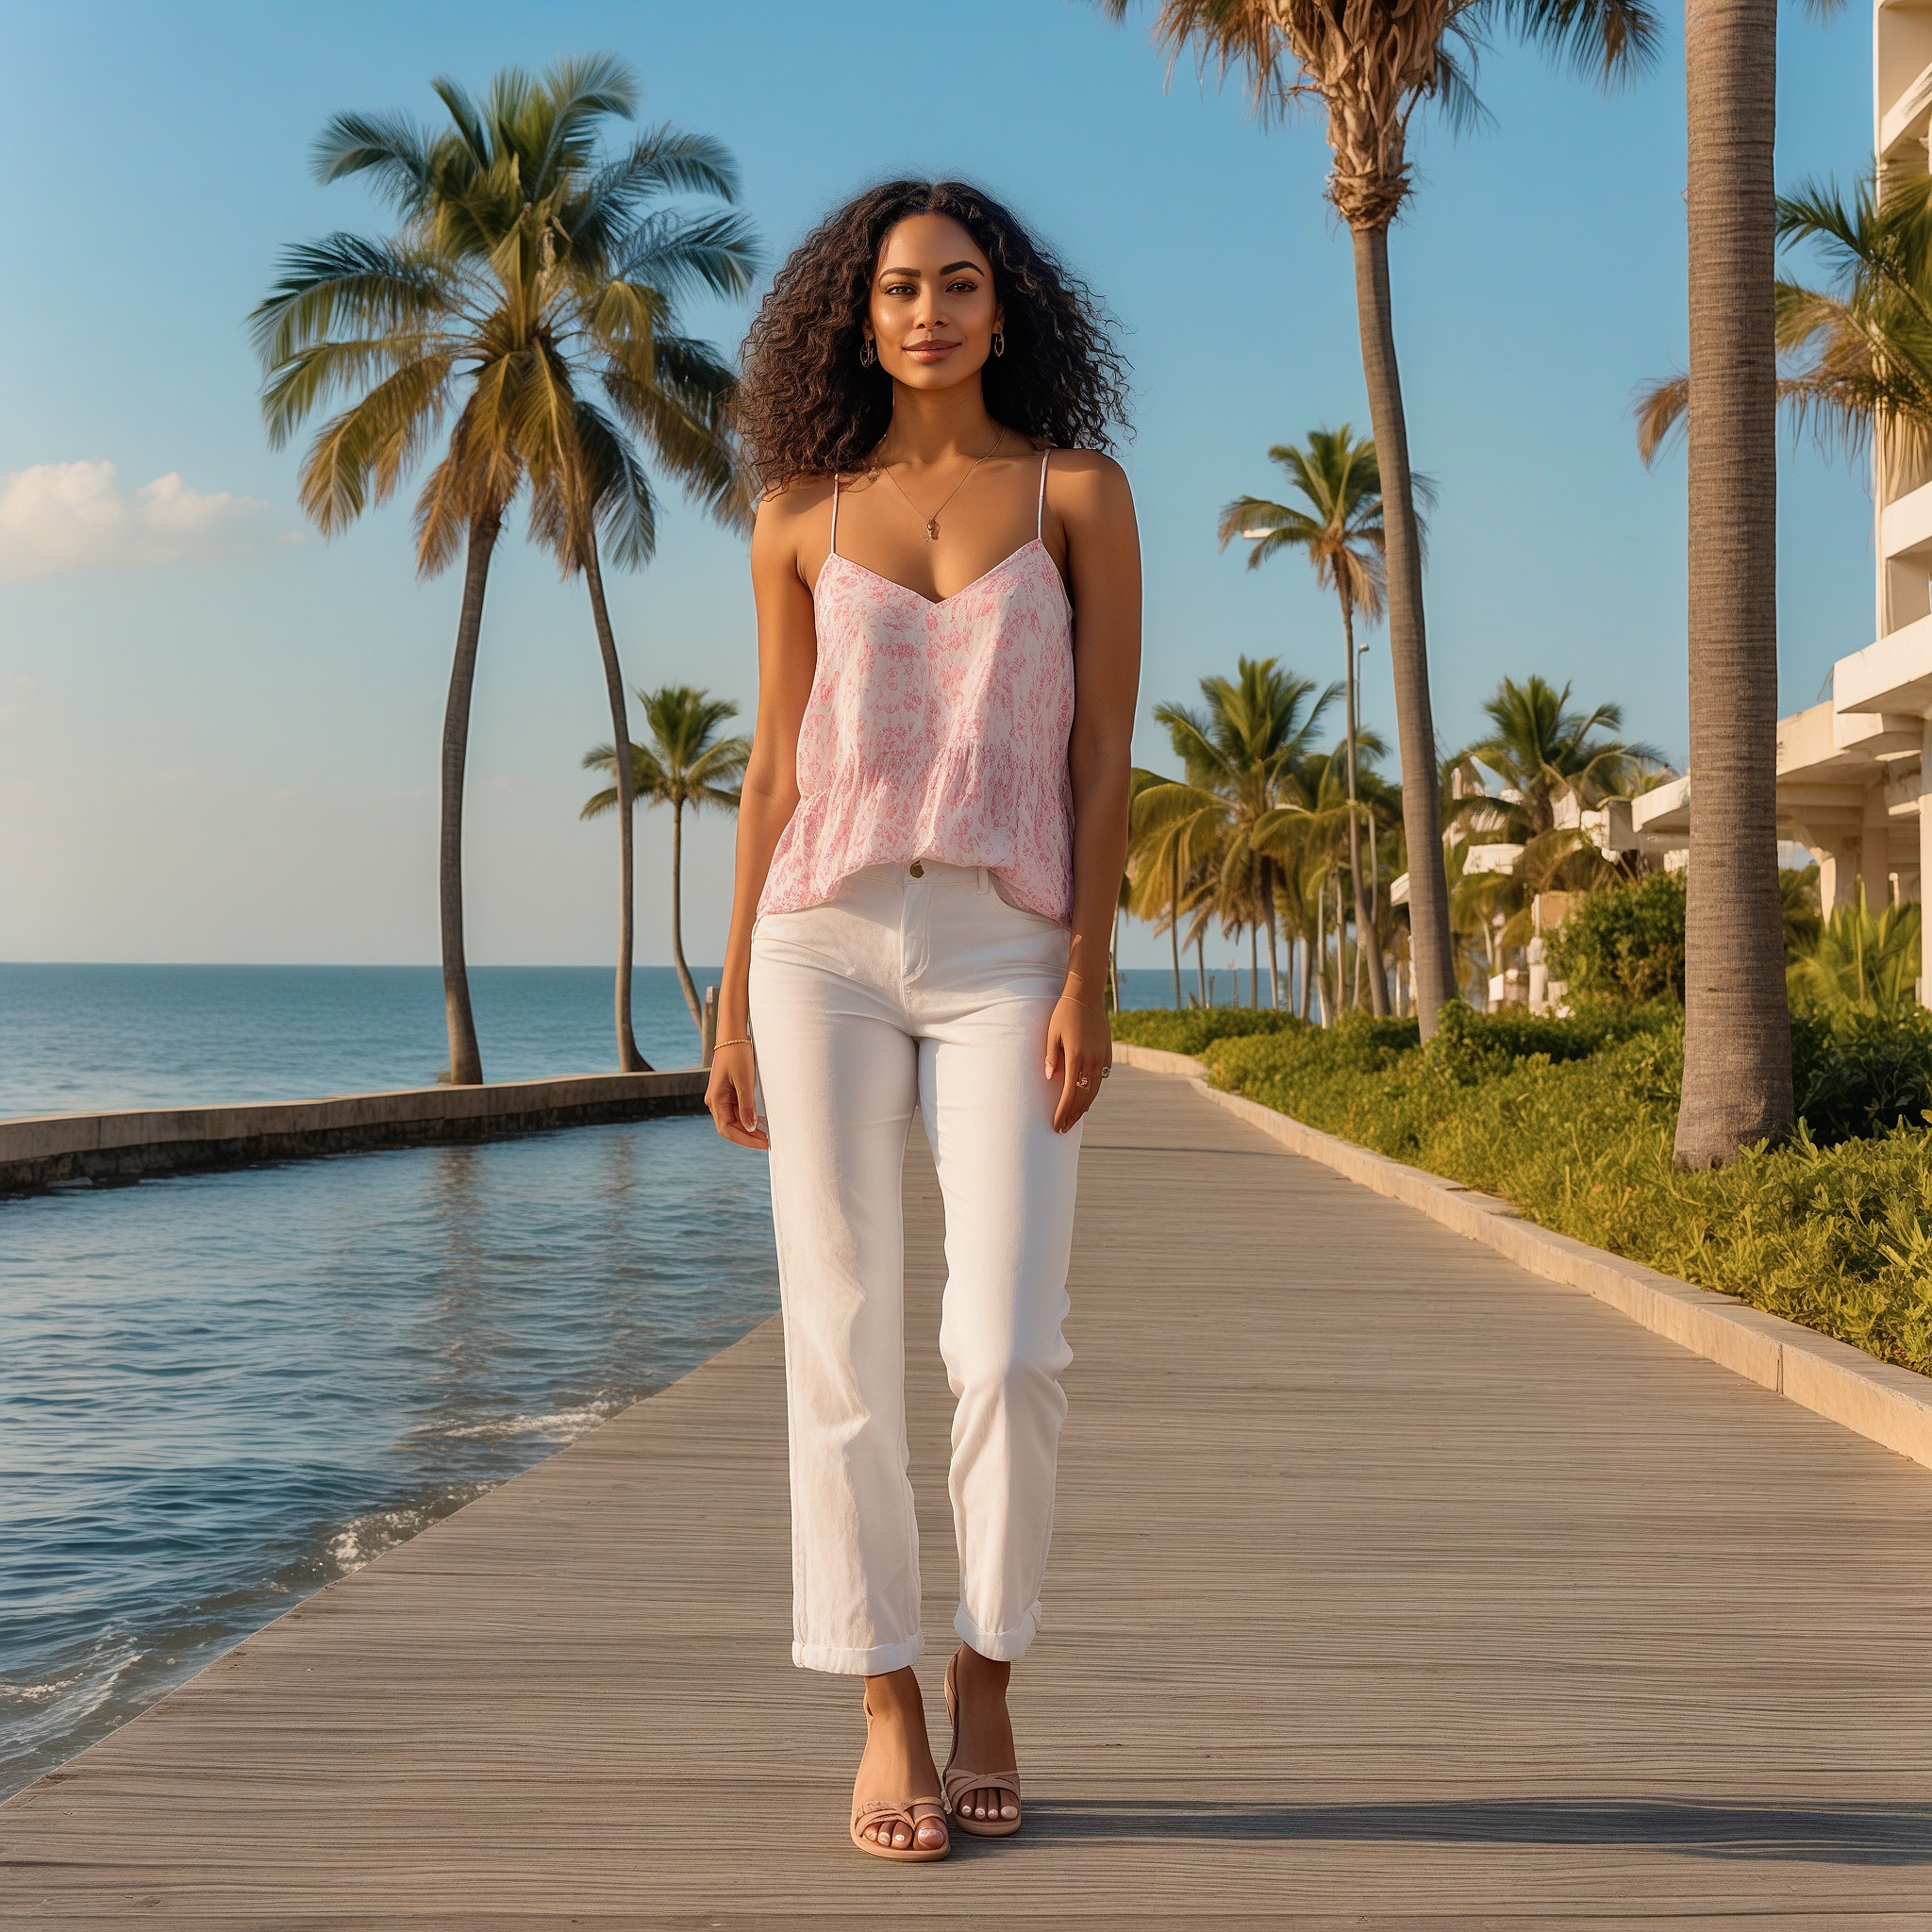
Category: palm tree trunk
[1319,961]
[629,1060]
[1737,1025]
[1268,914]
[683,978]
[1254,967]
[1173,925]
[1421,813]
[1308,975]
[465,1060]
[1201,964]
[1378,988]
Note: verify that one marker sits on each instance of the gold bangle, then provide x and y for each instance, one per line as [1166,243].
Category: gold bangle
[1075,999]
[718,1046]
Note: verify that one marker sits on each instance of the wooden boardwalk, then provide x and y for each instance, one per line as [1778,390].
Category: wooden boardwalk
[1392,1587]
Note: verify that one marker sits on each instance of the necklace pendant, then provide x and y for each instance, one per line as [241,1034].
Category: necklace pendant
[932,529]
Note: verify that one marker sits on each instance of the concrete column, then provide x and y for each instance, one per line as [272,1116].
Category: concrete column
[1838,876]
[1874,861]
[1924,852]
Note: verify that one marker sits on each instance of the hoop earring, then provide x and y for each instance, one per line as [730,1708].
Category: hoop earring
[868,351]
[999,342]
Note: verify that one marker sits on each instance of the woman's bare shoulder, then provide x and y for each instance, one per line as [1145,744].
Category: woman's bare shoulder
[790,517]
[1085,483]
[790,504]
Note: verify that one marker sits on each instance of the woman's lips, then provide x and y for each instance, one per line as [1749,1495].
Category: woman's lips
[930,351]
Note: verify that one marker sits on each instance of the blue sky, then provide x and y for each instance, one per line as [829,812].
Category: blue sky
[218,734]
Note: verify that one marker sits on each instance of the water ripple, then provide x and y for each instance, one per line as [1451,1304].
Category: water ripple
[219,1391]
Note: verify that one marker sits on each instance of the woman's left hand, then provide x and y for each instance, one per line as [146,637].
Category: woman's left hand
[1079,1053]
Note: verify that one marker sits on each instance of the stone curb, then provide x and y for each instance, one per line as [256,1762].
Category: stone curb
[50,1150]
[1889,1405]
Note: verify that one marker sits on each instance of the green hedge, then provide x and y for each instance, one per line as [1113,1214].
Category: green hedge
[1190,1031]
[1573,1120]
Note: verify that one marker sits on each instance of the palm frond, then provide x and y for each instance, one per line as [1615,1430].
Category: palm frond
[389,147]
[1608,40]
[683,255]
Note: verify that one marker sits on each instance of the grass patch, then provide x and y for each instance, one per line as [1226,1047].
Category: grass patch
[1573,1120]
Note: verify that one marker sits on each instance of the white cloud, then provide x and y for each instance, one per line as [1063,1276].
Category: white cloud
[58,517]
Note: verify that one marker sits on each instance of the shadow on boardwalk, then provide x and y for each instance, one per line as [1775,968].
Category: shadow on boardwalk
[1391,1588]
[1848,1834]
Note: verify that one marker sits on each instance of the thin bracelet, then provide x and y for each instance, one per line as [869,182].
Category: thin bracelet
[718,1046]
[1093,1006]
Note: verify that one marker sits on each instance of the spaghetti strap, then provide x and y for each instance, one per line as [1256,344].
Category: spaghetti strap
[1040,515]
[834,514]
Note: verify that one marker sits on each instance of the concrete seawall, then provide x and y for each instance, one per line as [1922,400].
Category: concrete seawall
[61,1149]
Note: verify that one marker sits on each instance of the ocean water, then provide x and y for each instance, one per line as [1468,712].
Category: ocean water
[217,1391]
[86,1037]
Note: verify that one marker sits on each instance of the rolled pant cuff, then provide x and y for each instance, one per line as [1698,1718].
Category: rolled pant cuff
[1001,1646]
[875,1662]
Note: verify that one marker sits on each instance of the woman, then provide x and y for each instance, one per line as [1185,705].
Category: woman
[930,843]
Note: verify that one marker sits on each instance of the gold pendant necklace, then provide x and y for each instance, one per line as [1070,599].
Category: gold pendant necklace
[932,523]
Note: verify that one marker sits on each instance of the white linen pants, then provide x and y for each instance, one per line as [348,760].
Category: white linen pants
[932,991]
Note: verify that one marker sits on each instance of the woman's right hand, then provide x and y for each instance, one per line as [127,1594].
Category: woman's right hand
[732,1098]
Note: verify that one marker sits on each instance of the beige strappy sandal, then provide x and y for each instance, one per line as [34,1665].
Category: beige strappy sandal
[881,1813]
[958,1784]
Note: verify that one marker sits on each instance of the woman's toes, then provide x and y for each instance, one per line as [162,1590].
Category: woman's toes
[1010,1809]
[932,1834]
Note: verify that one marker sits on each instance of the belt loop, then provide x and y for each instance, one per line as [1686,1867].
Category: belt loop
[983,882]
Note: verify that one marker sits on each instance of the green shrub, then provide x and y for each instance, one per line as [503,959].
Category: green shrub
[1839,1238]
[1861,962]
[1855,1075]
[1624,943]
[1190,1031]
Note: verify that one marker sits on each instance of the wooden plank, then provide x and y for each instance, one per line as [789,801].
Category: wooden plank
[1391,1586]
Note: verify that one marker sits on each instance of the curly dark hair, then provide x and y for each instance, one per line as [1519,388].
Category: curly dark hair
[806,405]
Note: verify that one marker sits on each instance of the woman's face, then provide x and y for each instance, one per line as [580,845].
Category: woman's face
[932,313]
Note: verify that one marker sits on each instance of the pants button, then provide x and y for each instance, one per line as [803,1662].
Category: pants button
[918,870]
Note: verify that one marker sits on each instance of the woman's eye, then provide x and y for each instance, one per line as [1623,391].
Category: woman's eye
[900,289]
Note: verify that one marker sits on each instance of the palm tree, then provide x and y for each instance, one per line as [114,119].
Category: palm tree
[523,273]
[1552,763]
[1373,63]
[1737,1017]
[685,764]
[1173,834]
[1242,753]
[1543,752]
[1309,838]
[1343,537]
[1856,356]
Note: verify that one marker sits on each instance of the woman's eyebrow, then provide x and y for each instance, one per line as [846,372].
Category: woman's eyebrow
[950,268]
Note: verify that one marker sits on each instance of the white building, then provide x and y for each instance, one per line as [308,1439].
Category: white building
[1850,771]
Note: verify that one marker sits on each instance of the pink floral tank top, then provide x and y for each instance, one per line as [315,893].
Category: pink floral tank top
[936,730]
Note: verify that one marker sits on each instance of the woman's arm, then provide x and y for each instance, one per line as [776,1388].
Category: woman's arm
[787,658]
[1090,500]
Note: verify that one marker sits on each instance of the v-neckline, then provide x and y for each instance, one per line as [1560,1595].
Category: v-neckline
[940,603]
